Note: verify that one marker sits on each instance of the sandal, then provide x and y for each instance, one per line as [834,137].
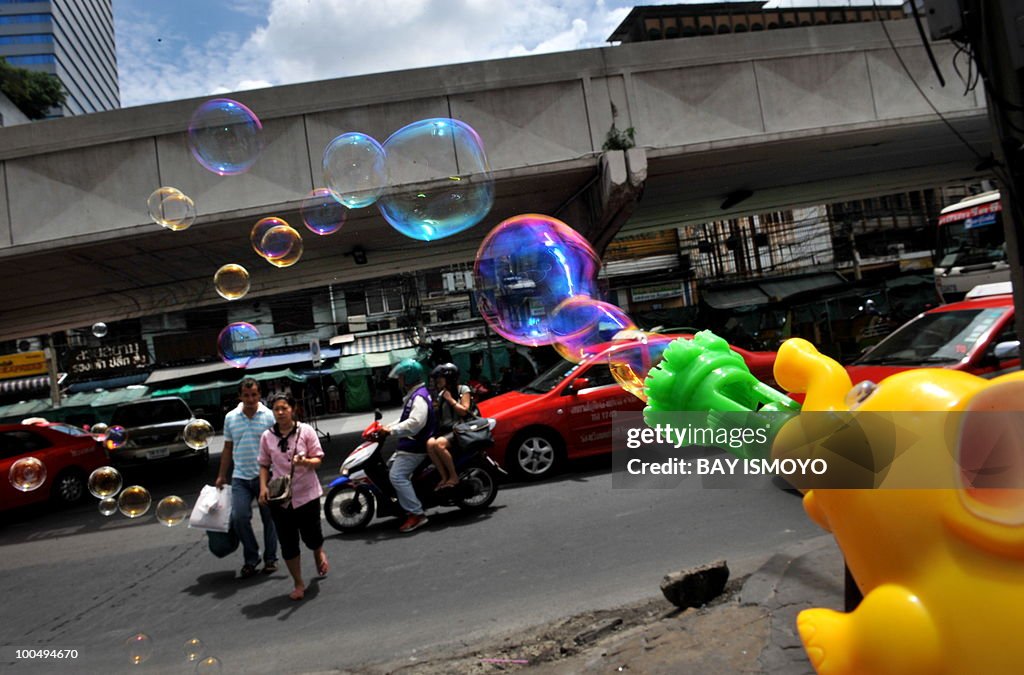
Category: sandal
[247,571]
[322,566]
[297,594]
[270,567]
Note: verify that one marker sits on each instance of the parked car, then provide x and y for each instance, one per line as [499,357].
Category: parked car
[565,413]
[155,430]
[975,335]
[69,458]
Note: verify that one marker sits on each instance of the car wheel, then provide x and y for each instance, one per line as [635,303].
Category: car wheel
[535,455]
[69,487]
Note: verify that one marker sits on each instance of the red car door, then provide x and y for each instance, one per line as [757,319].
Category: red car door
[588,411]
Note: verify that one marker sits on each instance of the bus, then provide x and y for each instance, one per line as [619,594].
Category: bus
[971,246]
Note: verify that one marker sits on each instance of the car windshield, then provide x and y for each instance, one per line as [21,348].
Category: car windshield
[150,412]
[936,338]
[69,430]
[550,378]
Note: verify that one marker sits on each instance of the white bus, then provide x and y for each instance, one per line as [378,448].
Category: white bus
[971,247]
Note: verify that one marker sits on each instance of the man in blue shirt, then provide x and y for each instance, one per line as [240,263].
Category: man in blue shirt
[243,428]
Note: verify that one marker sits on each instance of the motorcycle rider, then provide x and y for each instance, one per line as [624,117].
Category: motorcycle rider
[413,428]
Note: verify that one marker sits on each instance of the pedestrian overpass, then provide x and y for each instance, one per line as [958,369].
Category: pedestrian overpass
[787,117]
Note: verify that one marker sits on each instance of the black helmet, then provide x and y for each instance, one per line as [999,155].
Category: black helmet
[449,371]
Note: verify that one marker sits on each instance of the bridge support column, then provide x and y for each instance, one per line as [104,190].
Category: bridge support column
[600,211]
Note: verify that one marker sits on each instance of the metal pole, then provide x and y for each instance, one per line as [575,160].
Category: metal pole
[51,366]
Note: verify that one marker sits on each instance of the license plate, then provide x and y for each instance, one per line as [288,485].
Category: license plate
[158,453]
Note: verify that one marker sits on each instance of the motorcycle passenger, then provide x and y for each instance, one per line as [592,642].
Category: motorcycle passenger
[452,403]
[413,428]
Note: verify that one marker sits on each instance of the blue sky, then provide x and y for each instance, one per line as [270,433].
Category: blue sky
[175,49]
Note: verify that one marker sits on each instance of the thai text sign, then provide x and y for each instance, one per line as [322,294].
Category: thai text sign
[22,364]
[107,360]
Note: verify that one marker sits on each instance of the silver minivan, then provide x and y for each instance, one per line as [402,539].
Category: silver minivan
[155,430]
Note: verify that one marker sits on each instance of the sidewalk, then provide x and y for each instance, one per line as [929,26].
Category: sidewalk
[750,630]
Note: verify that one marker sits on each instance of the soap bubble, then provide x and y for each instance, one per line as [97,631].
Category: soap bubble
[134,501]
[139,647]
[231,281]
[282,245]
[225,137]
[172,511]
[104,482]
[116,437]
[108,506]
[580,323]
[633,357]
[239,343]
[99,329]
[209,666]
[525,267]
[439,182]
[256,234]
[99,431]
[322,212]
[171,208]
[354,169]
[193,650]
[197,434]
[27,474]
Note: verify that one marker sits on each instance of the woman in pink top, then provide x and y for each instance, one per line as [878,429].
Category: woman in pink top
[293,448]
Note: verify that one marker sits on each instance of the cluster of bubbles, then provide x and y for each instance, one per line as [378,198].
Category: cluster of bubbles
[430,179]
[280,244]
[536,283]
[171,208]
[140,648]
[27,474]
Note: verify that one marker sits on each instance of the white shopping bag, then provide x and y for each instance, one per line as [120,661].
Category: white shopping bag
[212,510]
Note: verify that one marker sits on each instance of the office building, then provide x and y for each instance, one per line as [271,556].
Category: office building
[72,39]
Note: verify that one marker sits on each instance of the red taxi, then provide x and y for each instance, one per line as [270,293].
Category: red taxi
[69,454]
[975,335]
[565,413]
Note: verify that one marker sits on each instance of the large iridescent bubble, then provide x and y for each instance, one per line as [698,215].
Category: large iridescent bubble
[239,343]
[354,169]
[225,137]
[581,323]
[526,267]
[322,213]
[632,357]
[439,181]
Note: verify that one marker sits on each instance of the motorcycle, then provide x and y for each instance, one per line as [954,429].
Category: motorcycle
[363,489]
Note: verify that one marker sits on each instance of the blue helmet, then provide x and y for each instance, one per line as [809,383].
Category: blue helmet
[410,370]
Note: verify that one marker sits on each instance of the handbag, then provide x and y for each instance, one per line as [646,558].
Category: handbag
[280,489]
[212,510]
[473,431]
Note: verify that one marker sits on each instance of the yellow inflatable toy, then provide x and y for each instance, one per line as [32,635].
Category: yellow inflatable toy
[941,568]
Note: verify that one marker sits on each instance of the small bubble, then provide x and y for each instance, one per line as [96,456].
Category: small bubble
[193,650]
[139,647]
[354,169]
[239,343]
[282,246]
[225,136]
[171,208]
[104,482]
[209,666]
[27,474]
[231,281]
[116,437]
[322,213]
[99,329]
[197,434]
[108,506]
[172,511]
[134,501]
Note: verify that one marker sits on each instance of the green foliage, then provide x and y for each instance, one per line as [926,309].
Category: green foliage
[33,92]
[619,140]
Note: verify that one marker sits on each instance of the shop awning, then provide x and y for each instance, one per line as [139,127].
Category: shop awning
[372,344]
[728,298]
[109,398]
[782,289]
[457,335]
[22,409]
[37,384]
[109,383]
[183,372]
